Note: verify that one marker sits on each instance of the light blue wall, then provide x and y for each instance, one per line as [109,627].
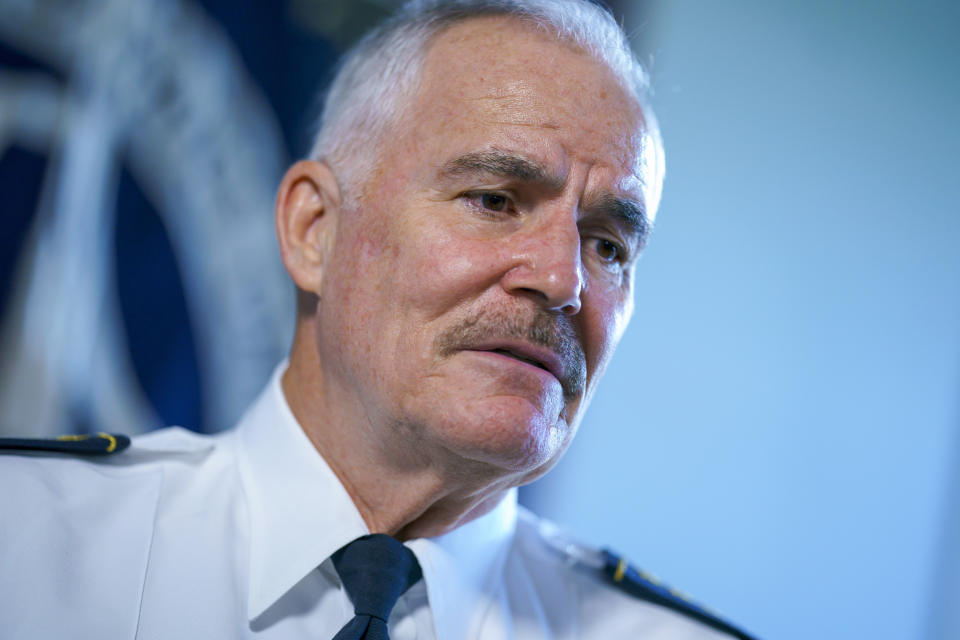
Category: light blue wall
[779,432]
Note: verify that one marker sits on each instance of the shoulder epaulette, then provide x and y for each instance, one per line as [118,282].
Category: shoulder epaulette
[616,571]
[101,444]
[642,585]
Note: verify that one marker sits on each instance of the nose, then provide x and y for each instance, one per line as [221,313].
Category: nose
[547,266]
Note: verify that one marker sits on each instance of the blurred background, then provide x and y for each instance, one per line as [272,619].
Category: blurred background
[779,433]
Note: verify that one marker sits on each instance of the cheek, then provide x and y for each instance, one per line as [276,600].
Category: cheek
[444,270]
[355,279]
[607,314]
[356,288]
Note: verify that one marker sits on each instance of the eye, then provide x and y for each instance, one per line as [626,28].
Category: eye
[609,251]
[493,201]
[490,201]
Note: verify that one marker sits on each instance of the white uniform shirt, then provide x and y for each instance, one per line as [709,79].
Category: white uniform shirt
[230,536]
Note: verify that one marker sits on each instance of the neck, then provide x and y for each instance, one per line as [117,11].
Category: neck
[401,485]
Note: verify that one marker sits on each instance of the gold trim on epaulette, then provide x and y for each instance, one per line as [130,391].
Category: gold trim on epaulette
[78,438]
[621,570]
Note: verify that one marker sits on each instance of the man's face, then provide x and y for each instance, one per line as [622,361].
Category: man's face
[481,280]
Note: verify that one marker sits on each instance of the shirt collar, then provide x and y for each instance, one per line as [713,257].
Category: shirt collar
[463,569]
[300,514]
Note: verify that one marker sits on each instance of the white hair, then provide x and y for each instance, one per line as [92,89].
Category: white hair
[379,75]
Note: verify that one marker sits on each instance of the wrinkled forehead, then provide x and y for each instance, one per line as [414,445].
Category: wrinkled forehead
[479,52]
[512,80]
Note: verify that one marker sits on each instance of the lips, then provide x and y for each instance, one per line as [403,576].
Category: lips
[522,358]
[545,341]
[537,356]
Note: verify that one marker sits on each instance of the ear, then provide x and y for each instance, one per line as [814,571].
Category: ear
[308,204]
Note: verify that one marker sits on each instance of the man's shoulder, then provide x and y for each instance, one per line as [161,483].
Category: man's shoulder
[612,597]
[98,468]
[110,449]
[81,515]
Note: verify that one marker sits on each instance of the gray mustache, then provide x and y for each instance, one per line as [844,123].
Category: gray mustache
[550,331]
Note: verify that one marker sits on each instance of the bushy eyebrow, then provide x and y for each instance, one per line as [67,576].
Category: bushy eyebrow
[629,213]
[502,165]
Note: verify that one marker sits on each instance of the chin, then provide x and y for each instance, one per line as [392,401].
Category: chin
[509,433]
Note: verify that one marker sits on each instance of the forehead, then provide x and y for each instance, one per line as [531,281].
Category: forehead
[506,83]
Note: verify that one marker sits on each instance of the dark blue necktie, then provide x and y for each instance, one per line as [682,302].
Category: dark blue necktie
[375,571]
